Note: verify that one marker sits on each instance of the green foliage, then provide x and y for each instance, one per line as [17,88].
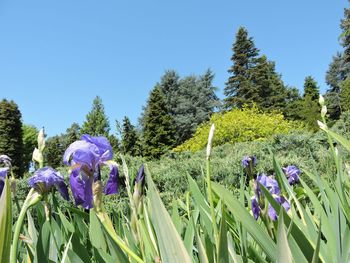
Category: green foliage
[345,95]
[54,151]
[96,123]
[244,58]
[158,130]
[238,125]
[130,141]
[311,107]
[11,135]
[30,136]
[190,101]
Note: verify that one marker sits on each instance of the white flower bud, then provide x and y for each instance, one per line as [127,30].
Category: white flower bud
[37,156]
[321,100]
[210,140]
[322,125]
[41,140]
[324,110]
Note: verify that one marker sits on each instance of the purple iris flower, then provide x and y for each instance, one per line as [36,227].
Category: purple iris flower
[247,160]
[140,178]
[85,157]
[3,174]
[269,183]
[46,178]
[5,160]
[282,201]
[292,173]
[255,207]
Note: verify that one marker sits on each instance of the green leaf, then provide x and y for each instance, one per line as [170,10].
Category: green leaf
[68,227]
[5,222]
[223,246]
[284,254]
[43,245]
[95,232]
[315,258]
[241,214]
[172,248]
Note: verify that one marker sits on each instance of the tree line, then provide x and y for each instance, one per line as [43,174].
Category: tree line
[177,105]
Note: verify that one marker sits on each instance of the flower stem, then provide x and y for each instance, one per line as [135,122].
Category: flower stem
[32,198]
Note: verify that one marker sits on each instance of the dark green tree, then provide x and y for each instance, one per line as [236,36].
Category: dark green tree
[345,26]
[244,58]
[267,89]
[311,109]
[130,140]
[72,134]
[30,142]
[11,135]
[345,95]
[54,150]
[294,104]
[96,123]
[158,129]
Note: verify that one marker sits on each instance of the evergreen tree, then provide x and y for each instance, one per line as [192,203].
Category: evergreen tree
[54,150]
[335,75]
[96,123]
[311,109]
[11,135]
[113,140]
[345,95]
[190,101]
[72,134]
[244,58]
[345,26]
[130,139]
[158,129]
[30,137]
[294,105]
[267,89]
[311,89]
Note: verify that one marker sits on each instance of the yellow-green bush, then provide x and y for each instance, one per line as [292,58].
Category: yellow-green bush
[240,125]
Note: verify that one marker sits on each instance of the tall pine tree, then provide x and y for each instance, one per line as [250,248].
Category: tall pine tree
[96,123]
[244,58]
[158,129]
[311,109]
[130,140]
[11,135]
[345,95]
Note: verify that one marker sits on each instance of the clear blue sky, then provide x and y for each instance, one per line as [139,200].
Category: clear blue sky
[56,56]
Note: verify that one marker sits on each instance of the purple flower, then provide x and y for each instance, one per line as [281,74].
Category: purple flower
[46,178]
[269,183]
[248,160]
[292,173]
[140,175]
[5,160]
[85,157]
[255,207]
[282,201]
[3,174]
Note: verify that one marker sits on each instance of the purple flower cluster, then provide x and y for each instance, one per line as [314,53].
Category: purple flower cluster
[86,156]
[272,186]
[3,174]
[249,160]
[292,173]
[45,178]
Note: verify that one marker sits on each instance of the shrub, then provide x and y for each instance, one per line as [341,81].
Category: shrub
[240,125]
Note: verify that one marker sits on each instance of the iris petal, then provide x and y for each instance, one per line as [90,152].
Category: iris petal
[112,183]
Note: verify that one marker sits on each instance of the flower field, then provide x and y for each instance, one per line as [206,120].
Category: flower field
[292,214]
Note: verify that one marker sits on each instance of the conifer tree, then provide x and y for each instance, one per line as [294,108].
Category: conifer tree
[96,123]
[129,138]
[11,135]
[30,137]
[244,58]
[158,129]
[267,89]
[345,95]
[311,109]
[54,150]
[345,26]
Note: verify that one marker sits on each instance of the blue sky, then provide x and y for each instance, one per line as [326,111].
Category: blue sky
[56,56]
